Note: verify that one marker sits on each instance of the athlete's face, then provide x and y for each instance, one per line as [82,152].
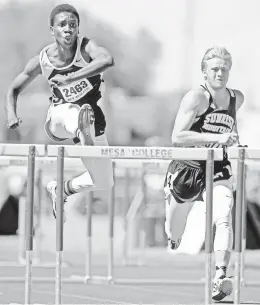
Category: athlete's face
[65,29]
[216,72]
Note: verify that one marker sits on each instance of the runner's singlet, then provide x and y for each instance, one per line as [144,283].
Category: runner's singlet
[185,179]
[83,91]
[215,120]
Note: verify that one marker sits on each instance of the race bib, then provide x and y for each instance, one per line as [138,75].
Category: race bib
[75,91]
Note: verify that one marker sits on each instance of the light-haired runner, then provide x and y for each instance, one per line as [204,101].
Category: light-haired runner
[206,117]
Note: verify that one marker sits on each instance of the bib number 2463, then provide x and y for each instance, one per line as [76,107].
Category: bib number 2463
[75,91]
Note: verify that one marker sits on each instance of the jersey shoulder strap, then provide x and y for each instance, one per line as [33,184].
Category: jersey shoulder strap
[232,103]
[210,96]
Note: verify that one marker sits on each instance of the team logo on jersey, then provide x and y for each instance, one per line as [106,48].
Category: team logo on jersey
[218,123]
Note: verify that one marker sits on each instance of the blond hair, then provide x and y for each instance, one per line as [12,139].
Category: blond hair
[216,52]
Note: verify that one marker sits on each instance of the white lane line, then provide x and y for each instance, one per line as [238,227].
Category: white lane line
[78,296]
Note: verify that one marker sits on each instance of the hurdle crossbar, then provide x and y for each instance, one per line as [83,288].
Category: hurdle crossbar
[21,149]
[148,153]
[76,164]
[121,152]
[250,153]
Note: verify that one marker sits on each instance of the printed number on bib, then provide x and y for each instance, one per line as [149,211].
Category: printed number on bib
[76,90]
[170,179]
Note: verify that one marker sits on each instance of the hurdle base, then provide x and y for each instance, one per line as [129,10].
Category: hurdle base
[91,279]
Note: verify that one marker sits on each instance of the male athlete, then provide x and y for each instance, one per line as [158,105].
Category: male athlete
[206,117]
[73,66]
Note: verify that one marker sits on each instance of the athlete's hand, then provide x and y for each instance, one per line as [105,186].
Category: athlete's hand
[59,80]
[228,139]
[13,122]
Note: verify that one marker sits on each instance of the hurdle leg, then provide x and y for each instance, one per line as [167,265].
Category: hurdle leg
[88,259]
[125,209]
[209,230]
[244,224]
[29,224]
[59,223]
[38,233]
[238,224]
[21,230]
[143,233]
[111,212]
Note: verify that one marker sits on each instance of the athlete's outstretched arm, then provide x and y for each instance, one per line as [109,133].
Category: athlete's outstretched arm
[22,80]
[101,60]
[190,107]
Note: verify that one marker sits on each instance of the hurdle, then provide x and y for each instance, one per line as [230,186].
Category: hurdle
[209,225]
[240,154]
[137,205]
[22,161]
[126,205]
[209,155]
[244,230]
[129,215]
[30,151]
[59,223]
[139,153]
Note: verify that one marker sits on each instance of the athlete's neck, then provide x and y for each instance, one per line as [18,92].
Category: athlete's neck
[219,94]
[67,54]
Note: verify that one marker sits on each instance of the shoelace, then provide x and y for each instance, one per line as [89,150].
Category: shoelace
[216,285]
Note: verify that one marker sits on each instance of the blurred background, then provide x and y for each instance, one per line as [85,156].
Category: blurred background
[157,47]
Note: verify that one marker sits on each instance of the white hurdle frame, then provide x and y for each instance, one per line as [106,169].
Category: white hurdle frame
[209,155]
[30,151]
[241,155]
[36,259]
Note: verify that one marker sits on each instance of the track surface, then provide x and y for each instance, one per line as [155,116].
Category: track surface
[158,265]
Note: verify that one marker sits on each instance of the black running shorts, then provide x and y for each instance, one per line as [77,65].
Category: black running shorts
[186,181]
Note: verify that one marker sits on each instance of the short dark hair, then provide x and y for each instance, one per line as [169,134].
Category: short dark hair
[63,8]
